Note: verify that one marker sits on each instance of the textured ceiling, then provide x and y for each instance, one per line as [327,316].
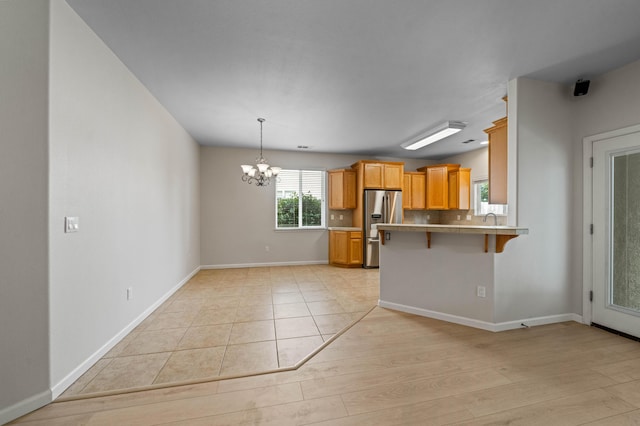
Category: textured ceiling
[355,76]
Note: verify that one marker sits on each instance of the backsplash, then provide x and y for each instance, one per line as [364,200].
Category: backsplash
[443,217]
[421,216]
[449,217]
[334,220]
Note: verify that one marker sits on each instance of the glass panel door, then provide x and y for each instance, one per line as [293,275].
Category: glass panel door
[624,282]
[616,233]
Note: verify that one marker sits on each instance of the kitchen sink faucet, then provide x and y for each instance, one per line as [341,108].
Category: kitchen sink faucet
[495,218]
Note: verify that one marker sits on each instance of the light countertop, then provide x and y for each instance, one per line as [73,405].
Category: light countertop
[461,229]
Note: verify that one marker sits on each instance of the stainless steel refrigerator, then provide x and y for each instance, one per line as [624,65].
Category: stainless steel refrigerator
[380,206]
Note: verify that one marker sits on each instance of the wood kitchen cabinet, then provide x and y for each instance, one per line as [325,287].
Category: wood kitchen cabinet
[414,191]
[438,185]
[342,189]
[381,175]
[372,174]
[345,248]
[460,189]
[498,161]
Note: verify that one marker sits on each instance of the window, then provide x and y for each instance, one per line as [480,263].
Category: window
[300,199]
[482,206]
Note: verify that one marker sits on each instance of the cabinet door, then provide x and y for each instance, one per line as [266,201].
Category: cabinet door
[338,247]
[393,176]
[453,190]
[498,162]
[418,191]
[349,190]
[355,248]
[460,189]
[437,183]
[464,189]
[336,193]
[342,189]
[332,247]
[406,191]
[373,176]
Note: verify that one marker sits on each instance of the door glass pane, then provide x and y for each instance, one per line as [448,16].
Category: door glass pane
[624,291]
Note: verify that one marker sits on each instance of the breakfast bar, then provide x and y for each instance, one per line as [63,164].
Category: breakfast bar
[448,272]
[502,233]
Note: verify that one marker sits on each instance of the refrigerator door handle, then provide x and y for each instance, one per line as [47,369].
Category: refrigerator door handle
[386,208]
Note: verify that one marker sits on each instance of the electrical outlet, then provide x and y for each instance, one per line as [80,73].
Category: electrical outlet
[458,217]
[129,293]
[266,248]
[468,217]
[332,217]
[482,291]
[341,217]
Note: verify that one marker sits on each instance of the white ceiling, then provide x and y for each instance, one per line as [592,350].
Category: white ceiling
[356,76]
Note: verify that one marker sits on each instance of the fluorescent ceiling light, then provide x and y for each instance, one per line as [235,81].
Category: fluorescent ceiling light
[447,128]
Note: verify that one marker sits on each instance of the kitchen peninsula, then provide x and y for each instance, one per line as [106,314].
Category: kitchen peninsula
[450,272]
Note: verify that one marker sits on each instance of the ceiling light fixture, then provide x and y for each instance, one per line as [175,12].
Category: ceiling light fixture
[261,173]
[445,129]
[484,143]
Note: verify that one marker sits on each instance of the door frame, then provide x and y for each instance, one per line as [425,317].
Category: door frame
[587,213]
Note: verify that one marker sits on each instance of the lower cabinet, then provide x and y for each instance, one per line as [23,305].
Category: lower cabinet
[345,248]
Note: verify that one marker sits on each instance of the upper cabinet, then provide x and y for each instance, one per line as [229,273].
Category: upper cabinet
[342,189]
[414,191]
[448,187]
[372,174]
[438,185]
[498,161]
[381,175]
[460,189]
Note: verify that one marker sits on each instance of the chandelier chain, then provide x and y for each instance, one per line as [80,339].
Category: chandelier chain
[261,120]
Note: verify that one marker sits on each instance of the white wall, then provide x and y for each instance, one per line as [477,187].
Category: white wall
[24,343]
[613,102]
[477,160]
[238,220]
[534,273]
[122,164]
[440,281]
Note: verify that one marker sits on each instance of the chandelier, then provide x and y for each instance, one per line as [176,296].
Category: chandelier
[261,173]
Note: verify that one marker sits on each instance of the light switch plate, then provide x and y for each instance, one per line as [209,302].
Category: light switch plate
[71,224]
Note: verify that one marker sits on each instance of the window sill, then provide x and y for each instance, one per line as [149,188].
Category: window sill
[315,228]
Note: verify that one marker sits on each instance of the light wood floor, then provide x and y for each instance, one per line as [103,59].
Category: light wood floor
[397,369]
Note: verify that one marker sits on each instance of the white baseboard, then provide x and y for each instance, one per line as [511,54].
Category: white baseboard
[532,322]
[25,406]
[260,265]
[484,325]
[69,379]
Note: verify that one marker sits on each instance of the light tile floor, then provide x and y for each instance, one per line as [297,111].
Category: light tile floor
[235,322]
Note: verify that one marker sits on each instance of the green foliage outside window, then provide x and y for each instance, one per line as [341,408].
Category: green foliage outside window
[484,192]
[288,211]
